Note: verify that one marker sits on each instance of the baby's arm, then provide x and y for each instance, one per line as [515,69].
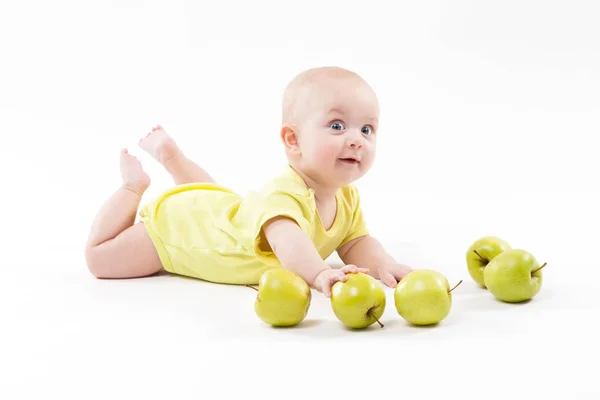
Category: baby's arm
[367,252]
[296,252]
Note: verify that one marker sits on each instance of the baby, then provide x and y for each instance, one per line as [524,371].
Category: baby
[301,216]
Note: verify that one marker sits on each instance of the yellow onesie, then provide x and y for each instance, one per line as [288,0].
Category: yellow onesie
[206,231]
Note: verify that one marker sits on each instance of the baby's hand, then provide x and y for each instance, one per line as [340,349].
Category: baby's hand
[327,278]
[391,274]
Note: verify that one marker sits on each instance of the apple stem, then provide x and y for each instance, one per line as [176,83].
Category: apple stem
[252,287]
[371,314]
[534,271]
[478,255]
[455,286]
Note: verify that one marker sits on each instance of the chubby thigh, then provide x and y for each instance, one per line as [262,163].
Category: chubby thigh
[129,255]
[194,237]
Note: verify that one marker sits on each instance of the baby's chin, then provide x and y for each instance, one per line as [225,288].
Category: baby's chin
[345,177]
[334,174]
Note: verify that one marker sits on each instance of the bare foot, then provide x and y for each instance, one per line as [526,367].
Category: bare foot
[160,145]
[134,177]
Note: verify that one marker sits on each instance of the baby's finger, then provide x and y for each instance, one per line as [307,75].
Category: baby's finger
[353,269]
[401,271]
[331,280]
[387,278]
[348,268]
[339,276]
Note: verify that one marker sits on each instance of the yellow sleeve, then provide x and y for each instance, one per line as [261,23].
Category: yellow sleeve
[275,204]
[358,227]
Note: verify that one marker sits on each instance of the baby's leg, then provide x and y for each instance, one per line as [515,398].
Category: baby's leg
[164,149]
[117,248]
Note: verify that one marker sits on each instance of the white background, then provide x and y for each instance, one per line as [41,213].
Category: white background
[489,111]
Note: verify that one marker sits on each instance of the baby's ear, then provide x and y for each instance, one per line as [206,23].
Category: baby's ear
[289,137]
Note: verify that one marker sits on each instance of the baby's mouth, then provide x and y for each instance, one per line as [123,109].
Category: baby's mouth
[349,161]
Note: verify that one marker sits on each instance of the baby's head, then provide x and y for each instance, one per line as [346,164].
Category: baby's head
[330,122]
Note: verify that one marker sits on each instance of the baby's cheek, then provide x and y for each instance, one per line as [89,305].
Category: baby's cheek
[327,152]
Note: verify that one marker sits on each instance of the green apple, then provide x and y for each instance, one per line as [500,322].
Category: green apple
[514,276]
[423,297]
[283,298]
[481,253]
[359,301]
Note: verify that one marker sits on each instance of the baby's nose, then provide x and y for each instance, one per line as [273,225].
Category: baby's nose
[355,140]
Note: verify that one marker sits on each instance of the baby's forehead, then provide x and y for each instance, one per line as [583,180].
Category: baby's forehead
[351,100]
[365,111]
[327,90]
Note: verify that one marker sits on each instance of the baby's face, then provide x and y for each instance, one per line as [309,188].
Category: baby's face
[338,135]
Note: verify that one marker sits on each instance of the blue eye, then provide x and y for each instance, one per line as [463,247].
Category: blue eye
[367,130]
[337,126]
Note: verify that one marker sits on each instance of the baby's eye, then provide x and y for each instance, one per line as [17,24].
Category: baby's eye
[367,130]
[337,126]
